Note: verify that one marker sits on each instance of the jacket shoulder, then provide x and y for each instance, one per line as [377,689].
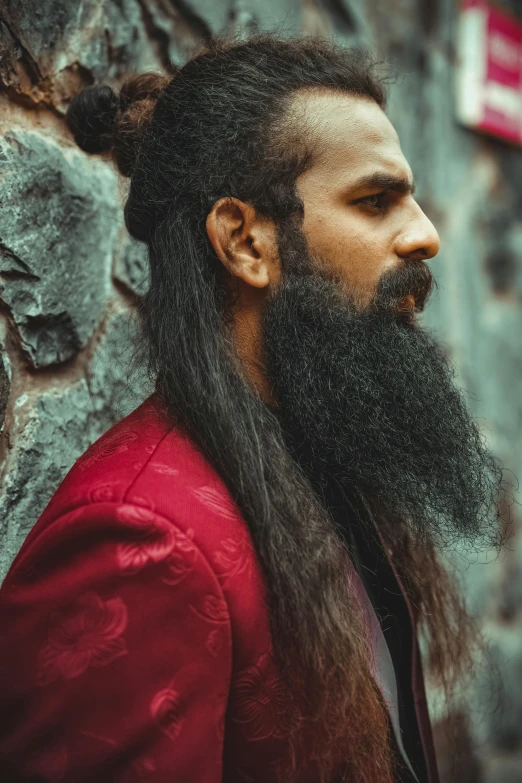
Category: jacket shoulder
[143,468]
[145,461]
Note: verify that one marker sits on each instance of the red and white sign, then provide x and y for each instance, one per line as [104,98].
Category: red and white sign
[489,70]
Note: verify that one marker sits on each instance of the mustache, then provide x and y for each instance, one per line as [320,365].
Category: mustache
[413,279]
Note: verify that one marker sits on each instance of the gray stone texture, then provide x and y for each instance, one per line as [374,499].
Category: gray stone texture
[58,224]
[56,423]
[4,389]
[50,48]
[131,264]
[70,276]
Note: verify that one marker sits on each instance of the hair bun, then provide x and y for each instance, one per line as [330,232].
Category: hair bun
[101,120]
[91,118]
[145,86]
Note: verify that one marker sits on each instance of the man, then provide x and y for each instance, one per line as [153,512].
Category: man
[229,584]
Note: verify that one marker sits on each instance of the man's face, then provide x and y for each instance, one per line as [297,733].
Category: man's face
[365,397]
[360,217]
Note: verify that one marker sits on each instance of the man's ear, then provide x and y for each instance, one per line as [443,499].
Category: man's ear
[244,241]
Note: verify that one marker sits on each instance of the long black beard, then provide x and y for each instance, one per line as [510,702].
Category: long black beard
[368,402]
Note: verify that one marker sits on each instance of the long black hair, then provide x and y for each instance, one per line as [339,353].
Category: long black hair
[224,126]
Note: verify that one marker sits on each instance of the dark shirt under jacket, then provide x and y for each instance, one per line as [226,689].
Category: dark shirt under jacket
[385,596]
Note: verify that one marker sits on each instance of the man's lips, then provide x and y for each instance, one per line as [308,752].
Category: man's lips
[405,292]
[407,304]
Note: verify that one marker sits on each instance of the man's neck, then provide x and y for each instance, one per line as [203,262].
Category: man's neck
[247,336]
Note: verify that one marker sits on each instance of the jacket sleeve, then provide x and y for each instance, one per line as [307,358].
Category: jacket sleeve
[115,653]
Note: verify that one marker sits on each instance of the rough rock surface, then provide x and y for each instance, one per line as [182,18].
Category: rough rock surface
[56,424]
[51,48]
[58,223]
[131,265]
[5,384]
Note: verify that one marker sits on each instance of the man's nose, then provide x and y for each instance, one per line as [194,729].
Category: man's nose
[419,239]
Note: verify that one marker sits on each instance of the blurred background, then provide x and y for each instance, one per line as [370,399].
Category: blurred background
[71,277]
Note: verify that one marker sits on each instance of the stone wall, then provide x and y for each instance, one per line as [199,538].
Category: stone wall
[70,277]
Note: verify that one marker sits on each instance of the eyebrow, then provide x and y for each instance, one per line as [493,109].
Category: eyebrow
[383,181]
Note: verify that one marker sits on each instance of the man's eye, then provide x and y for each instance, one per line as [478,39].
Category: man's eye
[376,201]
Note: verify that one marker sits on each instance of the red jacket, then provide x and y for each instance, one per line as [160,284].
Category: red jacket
[135,643]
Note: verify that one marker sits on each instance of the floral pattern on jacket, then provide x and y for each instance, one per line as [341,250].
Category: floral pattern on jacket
[135,643]
[88,632]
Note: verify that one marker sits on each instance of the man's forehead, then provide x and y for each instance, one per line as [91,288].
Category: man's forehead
[351,135]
